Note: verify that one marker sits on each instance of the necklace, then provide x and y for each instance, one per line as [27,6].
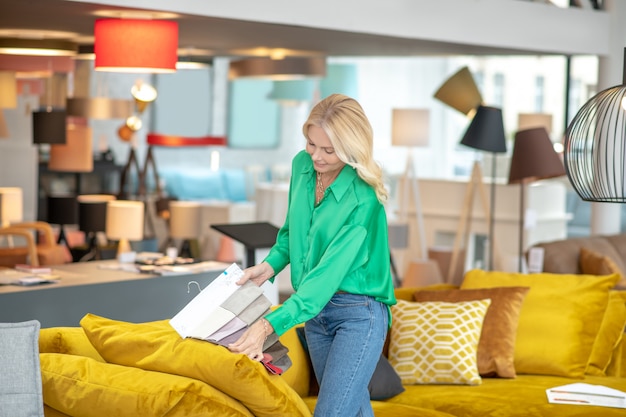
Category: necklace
[319,189]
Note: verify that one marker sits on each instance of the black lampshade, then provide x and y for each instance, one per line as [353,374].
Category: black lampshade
[486,131]
[49,126]
[62,209]
[92,212]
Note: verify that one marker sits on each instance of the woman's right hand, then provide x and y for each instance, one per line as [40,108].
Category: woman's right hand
[257,274]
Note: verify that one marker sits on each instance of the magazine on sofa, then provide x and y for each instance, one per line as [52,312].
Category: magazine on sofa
[587,394]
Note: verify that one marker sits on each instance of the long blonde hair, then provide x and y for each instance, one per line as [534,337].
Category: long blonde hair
[342,118]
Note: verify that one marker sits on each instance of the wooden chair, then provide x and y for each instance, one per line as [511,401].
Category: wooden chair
[46,251]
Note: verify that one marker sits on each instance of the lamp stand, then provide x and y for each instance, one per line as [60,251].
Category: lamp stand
[123,246]
[410,175]
[462,232]
[492,211]
[520,267]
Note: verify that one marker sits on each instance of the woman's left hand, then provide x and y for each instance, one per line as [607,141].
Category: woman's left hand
[251,342]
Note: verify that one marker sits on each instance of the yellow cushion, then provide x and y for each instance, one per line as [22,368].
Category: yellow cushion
[80,386]
[436,342]
[559,320]
[68,340]
[157,347]
[496,347]
[610,334]
[51,412]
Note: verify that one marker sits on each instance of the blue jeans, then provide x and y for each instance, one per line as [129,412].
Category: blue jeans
[345,342]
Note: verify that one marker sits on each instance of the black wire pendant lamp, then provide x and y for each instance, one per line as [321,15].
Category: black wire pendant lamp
[595,147]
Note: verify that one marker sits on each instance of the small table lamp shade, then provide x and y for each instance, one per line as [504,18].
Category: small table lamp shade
[92,210]
[11,205]
[410,127]
[124,222]
[62,209]
[185,219]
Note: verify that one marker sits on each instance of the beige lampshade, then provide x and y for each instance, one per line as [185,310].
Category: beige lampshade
[422,272]
[76,155]
[8,90]
[11,205]
[124,220]
[460,92]
[530,120]
[410,127]
[184,220]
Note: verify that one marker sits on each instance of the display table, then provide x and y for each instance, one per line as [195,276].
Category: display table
[87,287]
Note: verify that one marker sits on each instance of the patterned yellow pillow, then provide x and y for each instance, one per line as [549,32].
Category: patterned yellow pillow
[436,342]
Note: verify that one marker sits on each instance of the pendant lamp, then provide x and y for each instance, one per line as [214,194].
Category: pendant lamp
[136,45]
[289,68]
[595,146]
[49,126]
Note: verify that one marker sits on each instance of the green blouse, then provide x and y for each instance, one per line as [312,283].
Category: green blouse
[341,244]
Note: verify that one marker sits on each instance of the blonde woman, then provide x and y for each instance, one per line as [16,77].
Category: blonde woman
[335,238]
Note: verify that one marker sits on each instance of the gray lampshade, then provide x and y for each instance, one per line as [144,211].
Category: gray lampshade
[49,126]
[486,131]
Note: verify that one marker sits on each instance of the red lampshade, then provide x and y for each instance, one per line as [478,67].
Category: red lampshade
[136,45]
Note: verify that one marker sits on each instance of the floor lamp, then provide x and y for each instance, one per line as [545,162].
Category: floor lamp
[533,159]
[486,133]
[410,128]
[461,93]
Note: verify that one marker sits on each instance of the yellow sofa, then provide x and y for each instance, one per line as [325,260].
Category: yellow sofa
[568,329]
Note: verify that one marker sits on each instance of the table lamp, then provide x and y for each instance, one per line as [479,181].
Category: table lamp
[11,205]
[92,210]
[62,210]
[533,159]
[185,225]
[124,222]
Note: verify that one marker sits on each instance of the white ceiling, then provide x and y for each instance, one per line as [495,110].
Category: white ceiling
[224,37]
